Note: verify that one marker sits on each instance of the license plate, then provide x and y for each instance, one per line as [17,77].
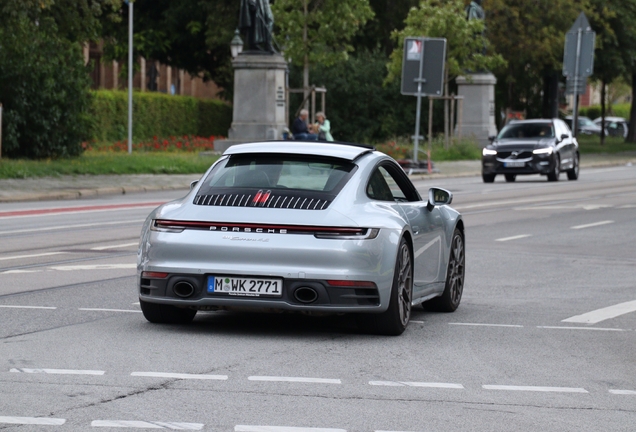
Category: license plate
[514,164]
[245,287]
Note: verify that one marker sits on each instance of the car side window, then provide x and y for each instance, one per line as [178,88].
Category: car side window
[383,185]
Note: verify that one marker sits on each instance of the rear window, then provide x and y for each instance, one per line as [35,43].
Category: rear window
[285,179]
[527,130]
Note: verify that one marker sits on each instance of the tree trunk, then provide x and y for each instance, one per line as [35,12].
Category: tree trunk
[550,94]
[603,97]
[631,134]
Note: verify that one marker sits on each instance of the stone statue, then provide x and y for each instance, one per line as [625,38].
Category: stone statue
[257,20]
[475,11]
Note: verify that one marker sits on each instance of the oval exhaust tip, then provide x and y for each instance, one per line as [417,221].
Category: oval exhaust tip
[183,289]
[306,295]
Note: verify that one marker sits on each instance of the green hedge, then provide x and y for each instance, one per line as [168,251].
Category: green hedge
[156,114]
[594,111]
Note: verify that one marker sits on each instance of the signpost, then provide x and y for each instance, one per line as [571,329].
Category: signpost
[578,62]
[423,75]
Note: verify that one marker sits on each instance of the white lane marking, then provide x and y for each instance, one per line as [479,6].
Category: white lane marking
[535,388]
[19,271]
[581,328]
[623,392]
[517,237]
[486,325]
[107,310]
[248,428]
[416,384]
[595,224]
[574,207]
[60,227]
[94,267]
[27,307]
[179,375]
[125,245]
[147,425]
[58,371]
[31,256]
[32,421]
[603,314]
[295,379]
[417,322]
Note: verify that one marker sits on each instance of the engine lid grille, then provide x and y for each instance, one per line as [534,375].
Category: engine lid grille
[264,198]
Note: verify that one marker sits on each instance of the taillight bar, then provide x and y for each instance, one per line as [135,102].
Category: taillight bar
[318,231]
[352,284]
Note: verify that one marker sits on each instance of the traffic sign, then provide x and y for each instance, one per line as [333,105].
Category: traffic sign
[578,56]
[423,63]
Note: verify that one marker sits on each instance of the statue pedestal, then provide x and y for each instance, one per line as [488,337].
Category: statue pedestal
[259,99]
[479,106]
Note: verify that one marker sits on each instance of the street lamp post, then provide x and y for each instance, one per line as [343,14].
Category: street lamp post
[236,46]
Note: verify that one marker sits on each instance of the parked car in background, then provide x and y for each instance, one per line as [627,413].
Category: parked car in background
[303,227]
[541,146]
[614,126]
[586,126]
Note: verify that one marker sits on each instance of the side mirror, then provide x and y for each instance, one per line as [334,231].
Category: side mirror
[491,138]
[438,196]
[564,136]
[193,184]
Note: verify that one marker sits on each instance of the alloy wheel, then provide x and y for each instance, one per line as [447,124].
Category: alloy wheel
[457,269]
[404,284]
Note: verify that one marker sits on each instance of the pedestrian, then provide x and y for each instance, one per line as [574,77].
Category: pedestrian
[323,127]
[300,128]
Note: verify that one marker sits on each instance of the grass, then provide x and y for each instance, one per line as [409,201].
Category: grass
[592,144]
[402,148]
[92,162]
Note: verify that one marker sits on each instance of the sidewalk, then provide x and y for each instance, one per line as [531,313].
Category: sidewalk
[77,187]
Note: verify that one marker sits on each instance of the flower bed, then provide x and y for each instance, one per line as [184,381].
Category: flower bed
[171,144]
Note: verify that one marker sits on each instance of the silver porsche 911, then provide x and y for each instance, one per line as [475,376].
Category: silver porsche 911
[306,227]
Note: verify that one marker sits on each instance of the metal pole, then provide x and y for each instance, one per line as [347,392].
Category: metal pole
[419,107]
[430,134]
[575,112]
[130,74]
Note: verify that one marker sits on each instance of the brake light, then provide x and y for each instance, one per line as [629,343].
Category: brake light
[153,275]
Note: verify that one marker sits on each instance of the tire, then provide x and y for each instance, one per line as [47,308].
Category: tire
[556,171]
[396,318]
[166,314]
[488,178]
[511,177]
[573,173]
[452,295]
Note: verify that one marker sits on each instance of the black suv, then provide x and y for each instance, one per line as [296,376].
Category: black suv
[540,146]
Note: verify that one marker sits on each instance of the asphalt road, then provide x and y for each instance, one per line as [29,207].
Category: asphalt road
[543,340]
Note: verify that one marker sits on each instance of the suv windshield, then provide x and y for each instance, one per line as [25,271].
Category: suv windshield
[527,130]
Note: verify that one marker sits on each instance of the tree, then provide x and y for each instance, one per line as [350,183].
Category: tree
[44,89]
[318,31]
[531,40]
[466,47]
[193,35]
[389,15]
[615,49]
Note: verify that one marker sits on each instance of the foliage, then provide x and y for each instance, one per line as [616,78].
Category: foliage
[531,41]
[330,24]
[157,114]
[466,149]
[44,91]
[360,108]
[171,144]
[465,38]
[591,144]
[193,35]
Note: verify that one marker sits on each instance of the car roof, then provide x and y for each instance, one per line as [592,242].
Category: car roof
[530,121]
[612,119]
[346,151]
